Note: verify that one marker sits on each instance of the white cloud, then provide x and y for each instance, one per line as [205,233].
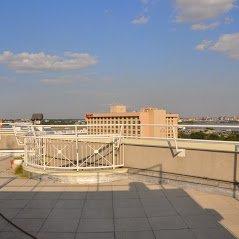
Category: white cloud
[140,20]
[64,80]
[227,44]
[56,81]
[228,20]
[197,10]
[144,1]
[203,45]
[204,27]
[44,62]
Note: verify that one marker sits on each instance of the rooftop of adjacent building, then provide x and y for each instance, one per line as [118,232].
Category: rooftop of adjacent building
[121,111]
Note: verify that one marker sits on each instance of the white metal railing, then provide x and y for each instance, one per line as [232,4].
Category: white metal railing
[79,147]
[143,131]
[72,152]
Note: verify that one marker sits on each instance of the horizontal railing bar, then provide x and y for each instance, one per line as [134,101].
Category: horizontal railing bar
[95,125]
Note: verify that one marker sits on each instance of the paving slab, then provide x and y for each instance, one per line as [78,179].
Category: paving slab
[60,225]
[129,212]
[121,209]
[175,234]
[132,224]
[34,213]
[96,225]
[95,235]
[167,222]
[135,235]
[55,235]
[65,213]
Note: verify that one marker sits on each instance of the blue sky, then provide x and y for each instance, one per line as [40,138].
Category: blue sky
[68,57]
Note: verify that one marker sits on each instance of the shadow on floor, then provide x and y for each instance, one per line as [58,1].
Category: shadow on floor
[121,210]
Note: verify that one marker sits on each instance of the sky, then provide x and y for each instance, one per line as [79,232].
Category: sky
[65,58]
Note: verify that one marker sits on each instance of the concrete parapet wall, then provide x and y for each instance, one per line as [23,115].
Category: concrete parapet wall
[208,160]
[8,141]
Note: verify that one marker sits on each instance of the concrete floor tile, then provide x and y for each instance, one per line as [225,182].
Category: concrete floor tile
[41,203]
[102,203]
[152,195]
[96,225]
[17,182]
[60,225]
[5,195]
[70,204]
[159,211]
[135,235]
[128,212]
[127,203]
[29,225]
[209,233]
[97,213]
[14,235]
[167,222]
[3,224]
[174,234]
[33,213]
[99,195]
[132,224]
[72,195]
[95,235]
[201,221]
[65,213]
[76,188]
[156,202]
[10,212]
[12,203]
[55,235]
[46,195]
[23,195]
[124,195]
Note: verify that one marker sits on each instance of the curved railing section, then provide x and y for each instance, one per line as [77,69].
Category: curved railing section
[73,152]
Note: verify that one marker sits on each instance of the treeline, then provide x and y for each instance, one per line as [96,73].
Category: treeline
[229,136]
[59,121]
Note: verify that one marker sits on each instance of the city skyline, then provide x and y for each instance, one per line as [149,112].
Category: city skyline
[70,57]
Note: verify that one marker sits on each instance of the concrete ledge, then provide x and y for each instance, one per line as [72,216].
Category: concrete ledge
[11,152]
[184,181]
[80,177]
[193,144]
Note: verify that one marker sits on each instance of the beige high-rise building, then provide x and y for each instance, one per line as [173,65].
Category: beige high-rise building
[138,124]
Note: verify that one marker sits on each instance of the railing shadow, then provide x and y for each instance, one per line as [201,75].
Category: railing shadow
[121,209]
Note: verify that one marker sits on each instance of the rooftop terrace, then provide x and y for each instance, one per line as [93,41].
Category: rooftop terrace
[173,188]
[122,209]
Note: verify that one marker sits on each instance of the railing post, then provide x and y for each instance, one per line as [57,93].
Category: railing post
[113,153]
[44,153]
[25,151]
[77,150]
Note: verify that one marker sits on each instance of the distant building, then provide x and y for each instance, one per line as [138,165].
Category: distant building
[37,118]
[133,122]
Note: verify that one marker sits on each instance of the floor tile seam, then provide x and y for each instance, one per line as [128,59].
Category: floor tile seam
[181,217]
[113,211]
[178,213]
[50,211]
[146,215]
[28,201]
[81,213]
[30,191]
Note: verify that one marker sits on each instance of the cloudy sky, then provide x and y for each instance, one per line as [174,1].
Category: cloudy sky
[68,57]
